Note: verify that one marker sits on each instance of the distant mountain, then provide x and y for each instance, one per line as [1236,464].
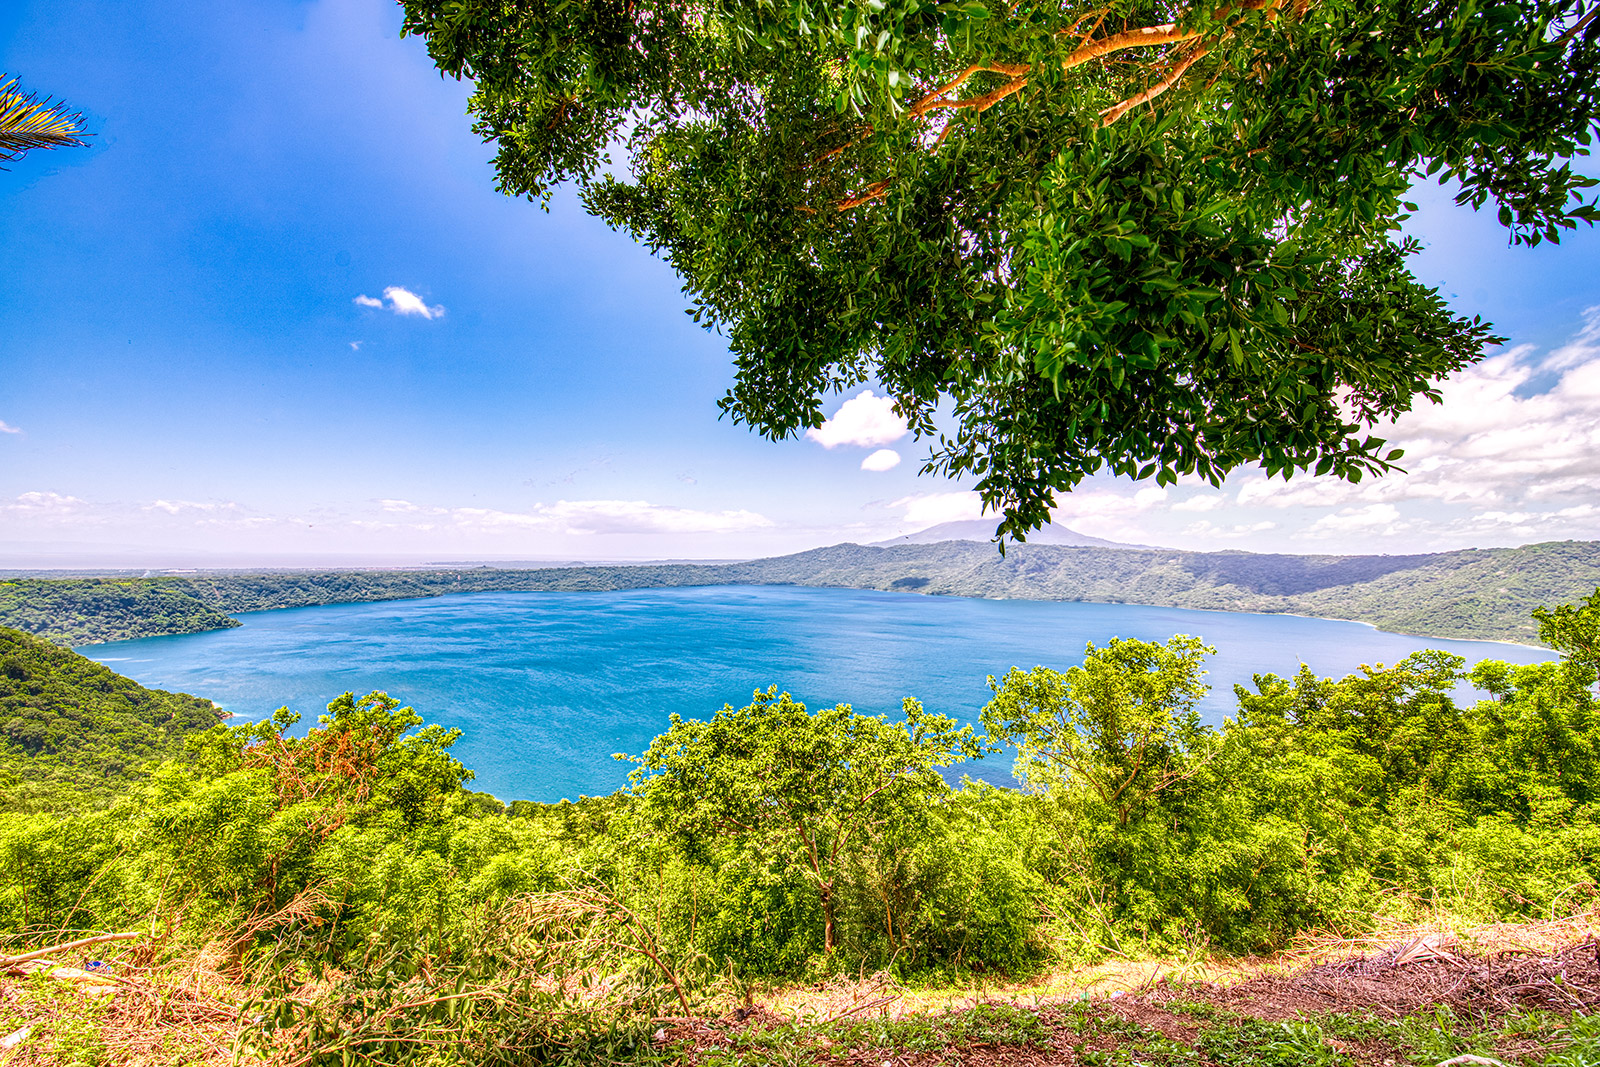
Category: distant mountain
[983,530]
[1472,593]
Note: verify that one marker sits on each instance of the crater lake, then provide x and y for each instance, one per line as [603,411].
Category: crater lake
[547,686]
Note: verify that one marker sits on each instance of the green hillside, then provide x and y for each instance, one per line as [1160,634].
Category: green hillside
[1474,593]
[74,733]
[91,611]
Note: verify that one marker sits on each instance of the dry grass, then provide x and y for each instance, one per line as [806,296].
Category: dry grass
[877,994]
[134,1013]
[185,1013]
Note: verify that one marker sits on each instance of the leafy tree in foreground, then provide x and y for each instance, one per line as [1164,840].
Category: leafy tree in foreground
[1123,724]
[27,122]
[1573,630]
[1150,237]
[796,785]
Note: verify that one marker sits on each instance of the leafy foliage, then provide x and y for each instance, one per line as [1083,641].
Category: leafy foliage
[801,788]
[1574,629]
[1154,238]
[1124,723]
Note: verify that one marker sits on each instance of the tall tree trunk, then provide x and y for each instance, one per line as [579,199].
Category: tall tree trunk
[827,918]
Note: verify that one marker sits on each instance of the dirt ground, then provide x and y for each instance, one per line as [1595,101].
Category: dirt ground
[1481,978]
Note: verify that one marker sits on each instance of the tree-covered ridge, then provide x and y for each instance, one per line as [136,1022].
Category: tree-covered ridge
[73,733]
[91,611]
[1486,594]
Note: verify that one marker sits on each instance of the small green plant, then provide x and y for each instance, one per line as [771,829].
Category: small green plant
[64,1020]
[1252,1043]
[1581,1037]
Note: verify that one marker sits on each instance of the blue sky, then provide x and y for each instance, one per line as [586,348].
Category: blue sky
[186,374]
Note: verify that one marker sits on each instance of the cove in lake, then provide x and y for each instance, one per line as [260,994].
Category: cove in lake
[546,686]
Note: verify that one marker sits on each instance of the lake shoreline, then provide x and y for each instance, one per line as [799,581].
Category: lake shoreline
[547,688]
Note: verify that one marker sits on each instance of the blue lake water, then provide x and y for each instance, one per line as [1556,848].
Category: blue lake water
[546,686]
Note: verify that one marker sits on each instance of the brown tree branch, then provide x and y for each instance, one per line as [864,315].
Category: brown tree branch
[12,961]
[1144,37]
[1102,13]
[1577,26]
[1116,111]
[936,98]
[874,191]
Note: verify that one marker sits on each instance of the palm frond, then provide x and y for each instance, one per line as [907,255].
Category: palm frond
[27,122]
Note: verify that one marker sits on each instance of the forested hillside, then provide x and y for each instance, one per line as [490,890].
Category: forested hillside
[96,610]
[74,733]
[1475,593]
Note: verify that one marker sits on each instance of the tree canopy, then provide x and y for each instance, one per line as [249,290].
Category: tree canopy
[1573,629]
[794,783]
[1146,237]
[1123,724]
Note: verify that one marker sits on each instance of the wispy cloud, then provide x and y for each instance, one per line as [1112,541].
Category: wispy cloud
[882,460]
[179,507]
[931,509]
[1201,502]
[1380,519]
[865,420]
[45,505]
[1206,528]
[402,301]
[584,517]
[1512,451]
[6,427]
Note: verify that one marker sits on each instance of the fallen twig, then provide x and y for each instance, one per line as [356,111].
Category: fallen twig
[12,961]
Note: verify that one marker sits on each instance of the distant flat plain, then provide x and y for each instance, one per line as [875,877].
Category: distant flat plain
[546,686]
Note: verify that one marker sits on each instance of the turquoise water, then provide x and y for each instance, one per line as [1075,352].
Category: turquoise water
[546,686]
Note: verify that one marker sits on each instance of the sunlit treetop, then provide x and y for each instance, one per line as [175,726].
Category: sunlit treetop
[1150,238]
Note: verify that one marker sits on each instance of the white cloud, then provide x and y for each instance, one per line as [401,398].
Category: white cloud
[1373,519]
[405,302]
[37,504]
[178,507]
[638,516]
[408,507]
[1206,528]
[585,517]
[1511,452]
[6,427]
[881,460]
[402,301]
[864,420]
[1295,493]
[1494,440]
[1201,502]
[1149,497]
[355,346]
[931,509]
[1583,346]
[1104,514]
